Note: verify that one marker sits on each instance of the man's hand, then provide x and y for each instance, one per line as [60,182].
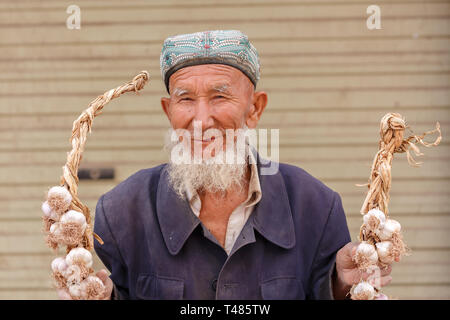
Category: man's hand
[347,273]
[63,294]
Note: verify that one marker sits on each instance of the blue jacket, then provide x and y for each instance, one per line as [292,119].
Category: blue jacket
[156,248]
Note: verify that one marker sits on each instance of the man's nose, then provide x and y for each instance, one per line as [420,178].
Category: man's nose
[203,113]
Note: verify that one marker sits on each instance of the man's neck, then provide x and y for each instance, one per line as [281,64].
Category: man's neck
[217,207]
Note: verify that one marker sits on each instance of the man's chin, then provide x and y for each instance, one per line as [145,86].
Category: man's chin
[209,177]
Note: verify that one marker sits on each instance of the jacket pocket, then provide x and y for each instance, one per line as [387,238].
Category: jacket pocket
[282,288]
[159,288]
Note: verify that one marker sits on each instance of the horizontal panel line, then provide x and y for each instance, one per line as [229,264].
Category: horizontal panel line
[255,39]
[267,112]
[392,88]
[298,89]
[218,5]
[396,214]
[247,20]
[277,65]
[262,55]
[418,284]
[266,75]
[27,289]
[394,179]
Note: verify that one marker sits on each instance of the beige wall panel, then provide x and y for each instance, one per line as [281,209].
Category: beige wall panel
[343,100]
[274,120]
[284,83]
[331,28]
[329,81]
[269,49]
[103,14]
[37,140]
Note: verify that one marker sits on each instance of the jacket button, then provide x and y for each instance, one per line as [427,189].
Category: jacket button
[214,284]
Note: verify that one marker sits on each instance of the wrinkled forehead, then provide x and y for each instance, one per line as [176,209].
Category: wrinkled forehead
[210,78]
[217,88]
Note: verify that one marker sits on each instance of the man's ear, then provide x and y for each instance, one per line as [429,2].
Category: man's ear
[165,104]
[256,109]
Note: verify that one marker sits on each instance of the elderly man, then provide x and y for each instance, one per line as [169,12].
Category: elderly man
[222,231]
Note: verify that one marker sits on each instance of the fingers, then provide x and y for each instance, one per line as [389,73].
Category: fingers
[386,271]
[379,282]
[344,257]
[353,252]
[377,272]
[63,294]
[103,275]
[381,296]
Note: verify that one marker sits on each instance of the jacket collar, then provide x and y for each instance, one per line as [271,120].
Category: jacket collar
[176,219]
[271,217]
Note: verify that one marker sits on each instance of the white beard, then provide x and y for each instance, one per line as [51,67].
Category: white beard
[208,176]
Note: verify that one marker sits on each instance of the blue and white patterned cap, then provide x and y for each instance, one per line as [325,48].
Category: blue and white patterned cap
[229,47]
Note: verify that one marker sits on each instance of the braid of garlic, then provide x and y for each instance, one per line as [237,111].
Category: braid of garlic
[67,221]
[381,239]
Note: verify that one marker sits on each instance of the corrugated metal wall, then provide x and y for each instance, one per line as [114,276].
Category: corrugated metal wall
[329,80]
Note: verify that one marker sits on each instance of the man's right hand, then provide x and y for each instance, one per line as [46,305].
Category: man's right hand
[63,294]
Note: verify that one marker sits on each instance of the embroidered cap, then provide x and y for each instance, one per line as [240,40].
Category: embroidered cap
[229,47]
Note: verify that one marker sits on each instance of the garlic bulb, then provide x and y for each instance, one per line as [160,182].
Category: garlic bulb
[384,250]
[55,229]
[59,199]
[79,256]
[389,228]
[73,274]
[48,212]
[59,265]
[366,255]
[374,219]
[363,291]
[74,217]
[93,288]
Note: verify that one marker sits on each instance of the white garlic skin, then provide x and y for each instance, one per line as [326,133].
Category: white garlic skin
[384,249]
[63,195]
[75,217]
[89,279]
[79,255]
[54,229]
[59,265]
[76,291]
[364,288]
[48,212]
[369,251]
[376,214]
[389,228]
[73,275]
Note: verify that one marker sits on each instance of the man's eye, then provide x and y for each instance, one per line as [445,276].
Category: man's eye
[185,99]
[219,97]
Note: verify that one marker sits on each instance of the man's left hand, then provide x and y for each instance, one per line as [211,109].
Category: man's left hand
[347,272]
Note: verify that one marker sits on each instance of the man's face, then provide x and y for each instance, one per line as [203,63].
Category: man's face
[220,96]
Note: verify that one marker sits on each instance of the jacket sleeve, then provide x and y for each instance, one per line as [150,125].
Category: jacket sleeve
[335,235]
[109,253]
